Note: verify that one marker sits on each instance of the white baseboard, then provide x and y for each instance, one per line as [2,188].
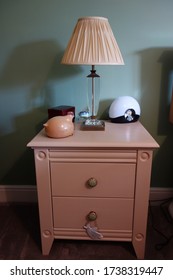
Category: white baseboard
[14,193]
[160,193]
[29,194]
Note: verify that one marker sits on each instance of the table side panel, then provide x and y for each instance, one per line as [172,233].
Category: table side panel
[44,198]
[143,175]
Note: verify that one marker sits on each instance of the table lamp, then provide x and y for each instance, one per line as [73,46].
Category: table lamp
[92,43]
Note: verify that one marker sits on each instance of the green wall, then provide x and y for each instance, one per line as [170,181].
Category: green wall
[33,37]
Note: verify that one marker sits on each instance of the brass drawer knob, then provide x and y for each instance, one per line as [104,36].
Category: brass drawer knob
[92,182]
[92,216]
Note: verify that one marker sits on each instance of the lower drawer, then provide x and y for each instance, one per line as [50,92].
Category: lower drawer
[112,214]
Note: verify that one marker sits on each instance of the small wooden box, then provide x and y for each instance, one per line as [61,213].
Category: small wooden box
[60,111]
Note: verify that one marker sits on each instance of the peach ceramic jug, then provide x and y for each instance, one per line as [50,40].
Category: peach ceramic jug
[60,126]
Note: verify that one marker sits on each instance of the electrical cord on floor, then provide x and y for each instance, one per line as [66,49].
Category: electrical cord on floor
[167,239]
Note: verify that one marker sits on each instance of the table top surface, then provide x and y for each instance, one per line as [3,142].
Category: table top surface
[126,135]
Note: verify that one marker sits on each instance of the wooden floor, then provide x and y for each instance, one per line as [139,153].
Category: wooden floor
[20,238]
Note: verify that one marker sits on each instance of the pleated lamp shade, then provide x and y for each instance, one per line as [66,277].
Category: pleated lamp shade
[92,43]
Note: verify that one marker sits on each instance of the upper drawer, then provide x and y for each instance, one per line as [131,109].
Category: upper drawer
[111,179]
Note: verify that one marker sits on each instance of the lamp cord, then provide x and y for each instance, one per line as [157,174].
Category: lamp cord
[159,246]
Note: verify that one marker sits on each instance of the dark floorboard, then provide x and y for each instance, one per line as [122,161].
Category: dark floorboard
[20,238]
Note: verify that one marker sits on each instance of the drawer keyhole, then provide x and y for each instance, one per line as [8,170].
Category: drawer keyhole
[92,182]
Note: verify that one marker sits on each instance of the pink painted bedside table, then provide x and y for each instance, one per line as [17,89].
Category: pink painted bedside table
[96,177]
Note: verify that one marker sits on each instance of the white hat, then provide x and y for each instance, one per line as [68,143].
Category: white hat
[124,109]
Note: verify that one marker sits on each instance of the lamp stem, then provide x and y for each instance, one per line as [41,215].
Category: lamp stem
[93,77]
[93,116]
[93,123]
